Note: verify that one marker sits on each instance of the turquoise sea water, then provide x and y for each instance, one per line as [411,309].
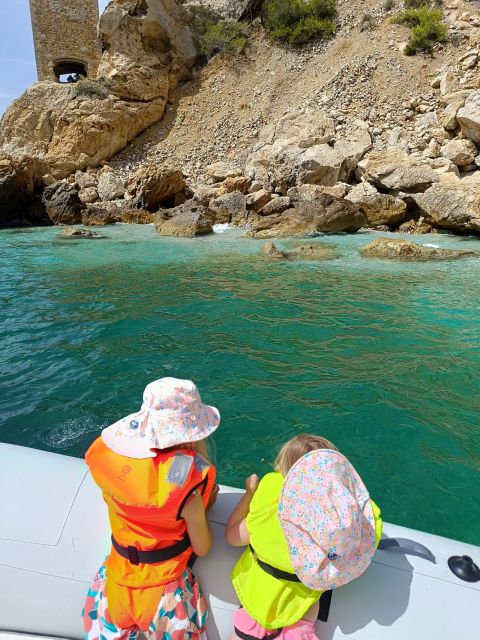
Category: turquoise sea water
[381,357]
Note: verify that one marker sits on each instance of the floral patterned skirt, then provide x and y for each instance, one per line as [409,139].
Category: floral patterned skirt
[181,613]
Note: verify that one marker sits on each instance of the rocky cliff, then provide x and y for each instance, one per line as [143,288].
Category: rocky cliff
[338,135]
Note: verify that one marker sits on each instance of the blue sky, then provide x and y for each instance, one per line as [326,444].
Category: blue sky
[17,58]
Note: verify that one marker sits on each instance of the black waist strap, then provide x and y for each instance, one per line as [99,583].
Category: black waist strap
[247,636]
[273,571]
[136,556]
[325,599]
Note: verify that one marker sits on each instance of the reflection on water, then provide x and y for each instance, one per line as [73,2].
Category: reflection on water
[380,357]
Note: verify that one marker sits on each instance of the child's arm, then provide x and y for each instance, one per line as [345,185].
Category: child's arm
[236,531]
[197,526]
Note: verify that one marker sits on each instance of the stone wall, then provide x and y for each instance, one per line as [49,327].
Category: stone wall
[65,30]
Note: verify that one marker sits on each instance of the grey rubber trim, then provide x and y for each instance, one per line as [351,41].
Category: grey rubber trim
[406,546]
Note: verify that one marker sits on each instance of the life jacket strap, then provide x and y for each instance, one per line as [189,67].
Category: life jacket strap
[137,556]
[246,636]
[273,571]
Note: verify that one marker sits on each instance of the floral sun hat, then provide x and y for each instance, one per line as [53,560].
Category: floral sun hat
[172,413]
[327,519]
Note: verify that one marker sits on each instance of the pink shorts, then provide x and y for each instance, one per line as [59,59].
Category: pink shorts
[246,626]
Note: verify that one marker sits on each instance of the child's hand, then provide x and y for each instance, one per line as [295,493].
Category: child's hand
[251,484]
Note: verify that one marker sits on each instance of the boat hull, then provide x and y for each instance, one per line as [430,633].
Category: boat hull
[54,534]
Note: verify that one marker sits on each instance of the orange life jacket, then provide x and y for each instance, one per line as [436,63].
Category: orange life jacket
[145,498]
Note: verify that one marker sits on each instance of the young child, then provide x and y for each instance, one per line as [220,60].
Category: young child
[157,482]
[311,527]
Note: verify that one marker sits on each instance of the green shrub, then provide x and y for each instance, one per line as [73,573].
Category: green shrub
[299,21]
[427,28]
[389,5]
[223,36]
[416,4]
[90,89]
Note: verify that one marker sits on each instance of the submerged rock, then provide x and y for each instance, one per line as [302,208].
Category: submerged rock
[407,250]
[73,232]
[302,252]
[270,250]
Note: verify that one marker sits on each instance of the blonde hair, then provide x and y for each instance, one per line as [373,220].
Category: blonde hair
[297,447]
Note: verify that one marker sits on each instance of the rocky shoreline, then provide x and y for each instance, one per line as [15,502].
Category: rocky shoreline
[314,170]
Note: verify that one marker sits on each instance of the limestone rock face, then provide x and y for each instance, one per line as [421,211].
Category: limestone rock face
[65,131]
[468,117]
[136,216]
[450,121]
[188,220]
[62,204]
[303,131]
[146,46]
[219,171]
[460,152]
[153,184]
[98,216]
[276,205]
[379,208]
[303,155]
[239,183]
[331,213]
[313,211]
[110,186]
[88,195]
[228,206]
[395,170]
[452,204]
[18,203]
[258,199]
[407,250]
[217,9]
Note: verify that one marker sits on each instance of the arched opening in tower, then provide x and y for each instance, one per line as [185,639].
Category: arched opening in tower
[69,70]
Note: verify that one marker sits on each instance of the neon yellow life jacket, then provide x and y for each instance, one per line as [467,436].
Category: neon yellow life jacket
[271,601]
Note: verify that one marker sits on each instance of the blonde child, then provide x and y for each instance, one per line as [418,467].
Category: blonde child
[311,527]
[157,482]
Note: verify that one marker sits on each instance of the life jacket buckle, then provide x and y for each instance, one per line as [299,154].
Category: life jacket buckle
[133,557]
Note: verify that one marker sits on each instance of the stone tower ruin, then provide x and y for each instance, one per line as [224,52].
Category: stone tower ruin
[65,38]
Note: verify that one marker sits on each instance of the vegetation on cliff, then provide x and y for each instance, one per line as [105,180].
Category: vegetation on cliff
[426,25]
[223,36]
[297,21]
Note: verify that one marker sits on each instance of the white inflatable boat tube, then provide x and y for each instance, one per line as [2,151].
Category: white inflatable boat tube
[54,534]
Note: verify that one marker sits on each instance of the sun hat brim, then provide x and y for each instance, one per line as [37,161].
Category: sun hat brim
[159,429]
[324,482]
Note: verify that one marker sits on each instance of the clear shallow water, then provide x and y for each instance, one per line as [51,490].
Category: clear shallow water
[381,357]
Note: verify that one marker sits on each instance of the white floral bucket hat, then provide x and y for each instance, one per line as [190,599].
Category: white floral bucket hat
[172,413]
[326,516]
